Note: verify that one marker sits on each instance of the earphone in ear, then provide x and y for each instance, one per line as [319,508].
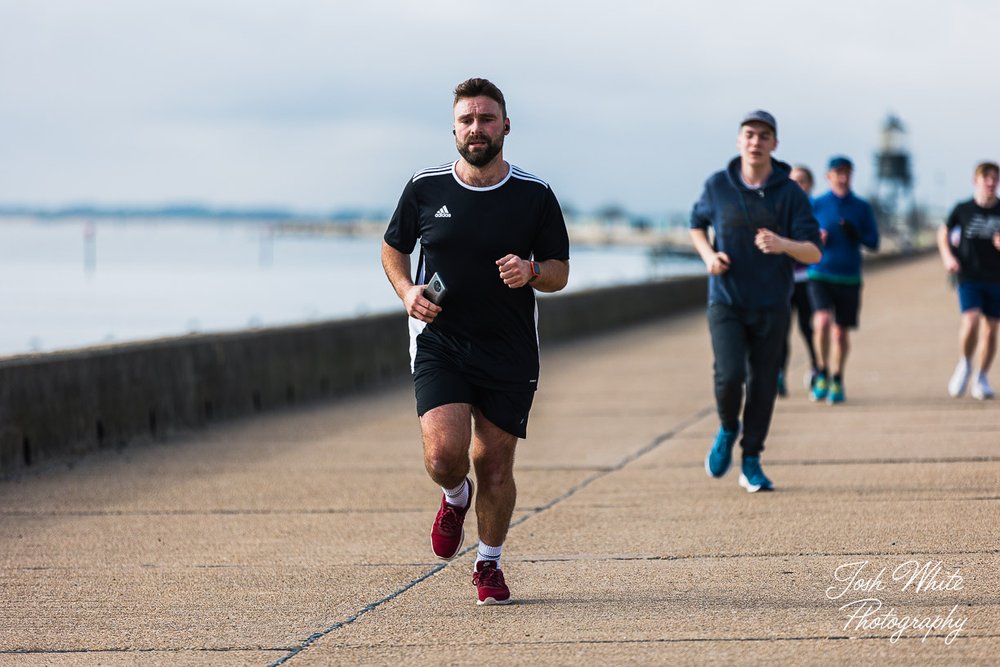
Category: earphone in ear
[455,133]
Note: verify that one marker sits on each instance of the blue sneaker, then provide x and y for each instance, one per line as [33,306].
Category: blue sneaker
[752,477]
[782,387]
[720,457]
[836,393]
[819,389]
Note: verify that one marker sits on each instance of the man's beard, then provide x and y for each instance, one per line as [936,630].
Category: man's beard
[482,157]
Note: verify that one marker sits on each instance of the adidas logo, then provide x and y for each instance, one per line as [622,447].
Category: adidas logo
[443,212]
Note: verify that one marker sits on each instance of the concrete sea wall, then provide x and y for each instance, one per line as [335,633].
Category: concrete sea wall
[62,405]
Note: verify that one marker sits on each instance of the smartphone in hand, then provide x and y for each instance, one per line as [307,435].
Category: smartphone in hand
[435,290]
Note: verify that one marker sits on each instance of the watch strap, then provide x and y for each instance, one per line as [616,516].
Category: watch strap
[536,270]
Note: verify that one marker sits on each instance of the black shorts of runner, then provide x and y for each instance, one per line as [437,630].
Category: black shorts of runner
[437,383]
[843,300]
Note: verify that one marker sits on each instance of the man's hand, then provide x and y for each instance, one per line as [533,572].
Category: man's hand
[996,240]
[950,263]
[514,271]
[718,264]
[768,242]
[417,306]
[715,261]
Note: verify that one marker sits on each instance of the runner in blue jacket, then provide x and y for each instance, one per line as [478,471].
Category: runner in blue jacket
[847,223]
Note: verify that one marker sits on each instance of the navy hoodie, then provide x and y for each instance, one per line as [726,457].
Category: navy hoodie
[754,280]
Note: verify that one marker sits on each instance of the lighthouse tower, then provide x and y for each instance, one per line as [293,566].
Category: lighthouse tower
[894,198]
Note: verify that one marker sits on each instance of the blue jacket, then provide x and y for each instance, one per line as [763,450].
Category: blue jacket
[754,280]
[841,261]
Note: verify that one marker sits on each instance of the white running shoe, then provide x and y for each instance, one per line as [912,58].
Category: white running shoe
[959,379]
[981,389]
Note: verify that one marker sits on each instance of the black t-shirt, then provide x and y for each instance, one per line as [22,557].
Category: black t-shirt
[978,258]
[463,231]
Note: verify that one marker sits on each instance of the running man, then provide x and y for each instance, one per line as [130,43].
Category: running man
[846,222]
[494,234]
[976,261]
[762,221]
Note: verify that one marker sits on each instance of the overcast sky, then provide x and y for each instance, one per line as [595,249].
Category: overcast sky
[317,105]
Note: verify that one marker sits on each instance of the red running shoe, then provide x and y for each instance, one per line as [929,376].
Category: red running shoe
[448,533]
[489,582]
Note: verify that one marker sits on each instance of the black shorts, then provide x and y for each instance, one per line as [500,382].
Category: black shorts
[438,382]
[843,300]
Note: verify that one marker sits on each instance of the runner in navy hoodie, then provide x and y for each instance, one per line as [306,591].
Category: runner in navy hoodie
[762,221]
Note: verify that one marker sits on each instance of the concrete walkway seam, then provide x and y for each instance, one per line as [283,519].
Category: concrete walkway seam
[656,442]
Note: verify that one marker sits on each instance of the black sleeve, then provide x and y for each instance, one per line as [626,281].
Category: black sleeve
[404,226]
[552,240]
[954,220]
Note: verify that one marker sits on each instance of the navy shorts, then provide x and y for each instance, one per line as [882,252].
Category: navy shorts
[438,382]
[980,296]
[843,300]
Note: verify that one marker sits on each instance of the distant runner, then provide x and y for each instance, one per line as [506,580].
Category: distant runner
[847,222]
[976,261]
[800,299]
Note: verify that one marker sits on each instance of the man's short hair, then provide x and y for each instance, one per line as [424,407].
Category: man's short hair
[475,87]
[984,167]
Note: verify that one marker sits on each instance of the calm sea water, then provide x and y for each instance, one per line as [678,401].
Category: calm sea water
[70,284]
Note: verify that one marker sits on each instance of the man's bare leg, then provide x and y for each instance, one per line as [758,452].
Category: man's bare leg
[447,432]
[493,459]
[840,345]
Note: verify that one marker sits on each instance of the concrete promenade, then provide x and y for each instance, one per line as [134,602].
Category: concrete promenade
[302,538]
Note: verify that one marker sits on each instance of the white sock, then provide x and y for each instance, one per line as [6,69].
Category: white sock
[486,552]
[459,496]
[966,364]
